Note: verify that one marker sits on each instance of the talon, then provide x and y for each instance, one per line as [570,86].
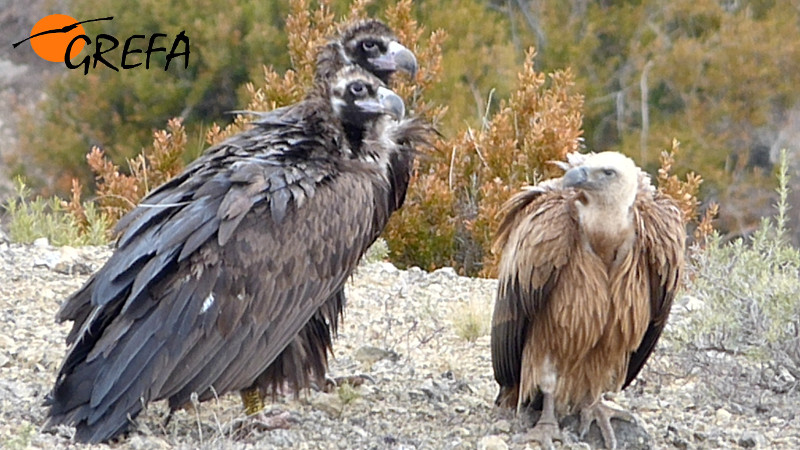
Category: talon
[544,433]
[261,421]
[602,412]
[546,428]
[274,420]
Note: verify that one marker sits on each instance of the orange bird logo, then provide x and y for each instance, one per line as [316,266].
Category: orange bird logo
[52,34]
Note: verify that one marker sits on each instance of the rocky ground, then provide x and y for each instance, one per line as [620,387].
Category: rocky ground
[426,386]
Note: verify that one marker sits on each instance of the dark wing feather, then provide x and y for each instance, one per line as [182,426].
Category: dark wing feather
[536,237]
[236,302]
[304,360]
[662,238]
[197,182]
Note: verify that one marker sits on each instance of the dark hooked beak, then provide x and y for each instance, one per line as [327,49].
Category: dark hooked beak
[397,57]
[387,103]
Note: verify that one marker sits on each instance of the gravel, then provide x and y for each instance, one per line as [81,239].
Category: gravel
[425,387]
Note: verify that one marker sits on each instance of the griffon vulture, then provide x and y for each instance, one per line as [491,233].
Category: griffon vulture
[218,270]
[589,267]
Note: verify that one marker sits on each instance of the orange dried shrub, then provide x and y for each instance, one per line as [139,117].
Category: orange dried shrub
[75,206]
[117,192]
[481,169]
[685,193]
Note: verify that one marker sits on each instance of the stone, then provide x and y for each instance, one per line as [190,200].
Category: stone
[492,442]
[502,426]
[445,272]
[630,435]
[752,439]
[41,242]
[722,417]
[370,355]
[330,404]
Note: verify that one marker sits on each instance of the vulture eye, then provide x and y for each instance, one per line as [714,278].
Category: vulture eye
[358,89]
[369,46]
[609,172]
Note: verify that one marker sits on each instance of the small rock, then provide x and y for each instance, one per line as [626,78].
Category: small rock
[502,426]
[434,391]
[330,404]
[370,355]
[460,431]
[722,417]
[492,442]
[630,435]
[414,270]
[693,303]
[6,342]
[138,442]
[785,376]
[700,436]
[445,272]
[648,404]
[41,242]
[47,259]
[387,267]
[751,439]
[676,435]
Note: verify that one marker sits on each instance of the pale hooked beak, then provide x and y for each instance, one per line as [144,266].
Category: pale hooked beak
[392,103]
[575,177]
[387,103]
[397,57]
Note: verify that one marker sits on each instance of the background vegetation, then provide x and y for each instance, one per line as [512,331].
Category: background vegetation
[744,295]
[716,76]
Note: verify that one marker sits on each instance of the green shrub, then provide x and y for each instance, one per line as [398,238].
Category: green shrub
[472,321]
[750,289]
[54,219]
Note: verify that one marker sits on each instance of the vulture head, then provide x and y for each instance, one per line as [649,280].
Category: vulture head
[371,45]
[604,179]
[358,99]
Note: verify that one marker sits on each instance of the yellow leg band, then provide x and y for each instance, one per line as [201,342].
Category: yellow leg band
[253,403]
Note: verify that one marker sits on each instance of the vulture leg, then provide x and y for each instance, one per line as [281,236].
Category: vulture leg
[602,412]
[256,418]
[546,428]
[253,403]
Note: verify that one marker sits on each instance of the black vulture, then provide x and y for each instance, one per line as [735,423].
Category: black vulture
[372,45]
[218,269]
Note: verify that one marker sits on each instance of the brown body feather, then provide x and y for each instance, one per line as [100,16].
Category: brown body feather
[580,303]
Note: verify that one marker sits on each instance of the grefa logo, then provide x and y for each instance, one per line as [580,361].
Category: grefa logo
[59,37]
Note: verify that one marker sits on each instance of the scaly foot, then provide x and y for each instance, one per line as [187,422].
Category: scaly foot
[544,433]
[602,412]
[261,421]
